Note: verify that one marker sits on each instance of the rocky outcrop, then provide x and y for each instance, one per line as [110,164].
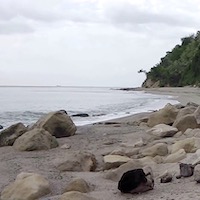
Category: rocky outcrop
[79,185]
[36,139]
[27,186]
[162,130]
[77,162]
[74,195]
[166,115]
[9,135]
[58,124]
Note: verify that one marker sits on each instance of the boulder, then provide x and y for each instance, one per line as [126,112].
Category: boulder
[79,185]
[159,149]
[58,124]
[77,162]
[163,130]
[9,135]
[136,181]
[166,115]
[166,177]
[192,132]
[197,173]
[175,157]
[74,195]
[185,122]
[1,127]
[185,111]
[27,186]
[36,139]
[197,115]
[190,145]
[114,161]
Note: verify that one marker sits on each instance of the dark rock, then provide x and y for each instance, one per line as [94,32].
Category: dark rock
[186,170]
[81,115]
[135,181]
[166,177]
[1,127]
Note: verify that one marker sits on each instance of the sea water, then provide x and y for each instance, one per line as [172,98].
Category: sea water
[28,104]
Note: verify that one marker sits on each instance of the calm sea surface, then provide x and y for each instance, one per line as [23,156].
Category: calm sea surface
[28,104]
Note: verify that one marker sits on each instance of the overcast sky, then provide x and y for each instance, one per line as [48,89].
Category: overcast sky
[89,42]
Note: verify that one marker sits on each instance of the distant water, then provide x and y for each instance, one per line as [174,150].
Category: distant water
[28,104]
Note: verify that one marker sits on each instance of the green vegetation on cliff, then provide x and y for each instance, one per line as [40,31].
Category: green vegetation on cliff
[180,67]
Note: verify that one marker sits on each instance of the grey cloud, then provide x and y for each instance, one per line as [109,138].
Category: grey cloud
[49,11]
[14,28]
[126,13]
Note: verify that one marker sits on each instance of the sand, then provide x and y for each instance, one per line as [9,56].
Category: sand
[101,139]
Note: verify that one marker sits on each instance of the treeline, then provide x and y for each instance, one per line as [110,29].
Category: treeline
[180,67]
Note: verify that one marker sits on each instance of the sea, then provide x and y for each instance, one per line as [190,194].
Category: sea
[28,104]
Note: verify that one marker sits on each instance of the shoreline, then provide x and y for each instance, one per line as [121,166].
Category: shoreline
[181,94]
[122,135]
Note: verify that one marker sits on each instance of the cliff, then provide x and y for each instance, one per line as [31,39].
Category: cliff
[180,67]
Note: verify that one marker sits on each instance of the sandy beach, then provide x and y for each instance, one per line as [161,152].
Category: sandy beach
[100,139]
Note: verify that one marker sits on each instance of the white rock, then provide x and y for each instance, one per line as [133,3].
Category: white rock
[163,130]
[175,157]
[113,161]
[27,186]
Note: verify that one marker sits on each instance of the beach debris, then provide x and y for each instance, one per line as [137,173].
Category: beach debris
[27,186]
[136,181]
[36,139]
[58,124]
[10,134]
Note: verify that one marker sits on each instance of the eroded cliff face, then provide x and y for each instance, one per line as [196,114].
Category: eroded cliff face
[148,83]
